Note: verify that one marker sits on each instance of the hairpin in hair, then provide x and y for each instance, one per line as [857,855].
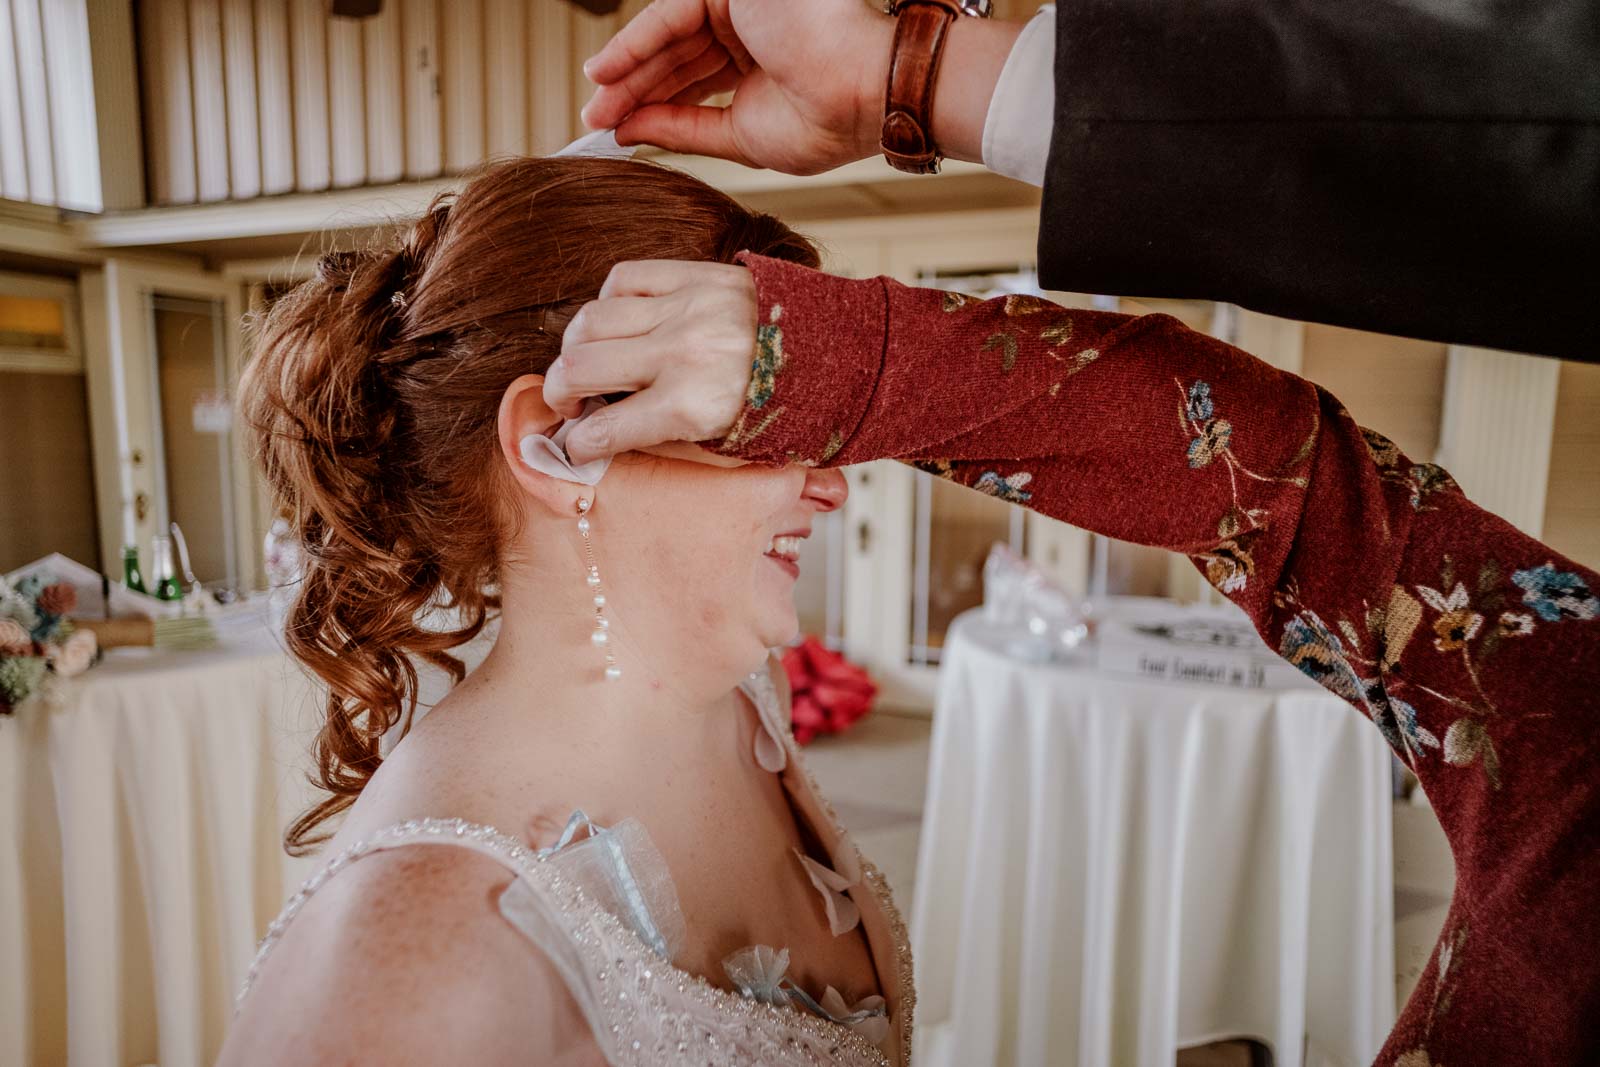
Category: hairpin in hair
[553,319]
[398,298]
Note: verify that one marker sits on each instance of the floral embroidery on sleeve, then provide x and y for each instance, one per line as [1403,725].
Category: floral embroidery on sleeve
[1008,487]
[1449,953]
[1459,628]
[1007,344]
[1229,565]
[764,370]
[768,360]
[1553,595]
[1423,479]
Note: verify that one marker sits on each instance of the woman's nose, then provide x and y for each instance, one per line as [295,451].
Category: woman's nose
[825,489]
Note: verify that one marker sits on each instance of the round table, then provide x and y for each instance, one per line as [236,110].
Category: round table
[140,845]
[1113,868]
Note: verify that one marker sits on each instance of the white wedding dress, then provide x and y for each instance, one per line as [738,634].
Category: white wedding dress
[603,910]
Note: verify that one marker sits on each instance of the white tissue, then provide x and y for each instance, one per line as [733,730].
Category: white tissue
[599,143]
[548,455]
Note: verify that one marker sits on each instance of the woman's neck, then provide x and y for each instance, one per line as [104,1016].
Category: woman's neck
[546,675]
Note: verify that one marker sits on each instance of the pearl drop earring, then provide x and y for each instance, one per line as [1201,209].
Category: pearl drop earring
[601,636]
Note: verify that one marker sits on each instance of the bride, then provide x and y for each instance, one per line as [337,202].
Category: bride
[602,845]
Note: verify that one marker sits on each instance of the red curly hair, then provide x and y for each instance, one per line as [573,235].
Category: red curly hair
[373,418]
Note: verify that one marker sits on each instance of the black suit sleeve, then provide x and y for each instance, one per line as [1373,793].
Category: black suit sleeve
[1427,168]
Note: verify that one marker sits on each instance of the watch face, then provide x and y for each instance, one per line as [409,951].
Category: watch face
[977,8]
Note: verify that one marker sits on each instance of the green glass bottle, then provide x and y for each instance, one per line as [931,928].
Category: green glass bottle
[130,569]
[167,586]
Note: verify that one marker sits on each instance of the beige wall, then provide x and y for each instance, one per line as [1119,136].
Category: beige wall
[1572,504]
[1390,384]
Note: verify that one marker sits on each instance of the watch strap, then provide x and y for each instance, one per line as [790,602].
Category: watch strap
[921,27]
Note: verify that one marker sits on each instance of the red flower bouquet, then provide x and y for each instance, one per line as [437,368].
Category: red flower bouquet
[829,692]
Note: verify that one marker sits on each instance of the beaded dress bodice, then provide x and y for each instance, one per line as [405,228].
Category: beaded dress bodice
[603,911]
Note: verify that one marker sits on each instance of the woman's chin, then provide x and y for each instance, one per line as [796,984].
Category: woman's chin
[781,626]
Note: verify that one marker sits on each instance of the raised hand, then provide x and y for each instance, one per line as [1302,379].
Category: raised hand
[807,77]
[680,336]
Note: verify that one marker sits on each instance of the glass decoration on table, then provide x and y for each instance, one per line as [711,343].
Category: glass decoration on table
[1040,621]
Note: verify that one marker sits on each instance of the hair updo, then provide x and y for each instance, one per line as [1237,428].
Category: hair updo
[374,416]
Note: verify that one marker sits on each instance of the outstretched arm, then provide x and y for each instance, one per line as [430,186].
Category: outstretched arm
[1473,647]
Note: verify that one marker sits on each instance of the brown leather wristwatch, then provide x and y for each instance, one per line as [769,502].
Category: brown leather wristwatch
[919,34]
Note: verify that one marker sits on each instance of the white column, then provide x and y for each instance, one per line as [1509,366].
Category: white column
[13,146]
[505,46]
[461,83]
[308,52]
[244,126]
[209,89]
[347,107]
[32,79]
[550,106]
[274,109]
[1494,437]
[419,36]
[385,96]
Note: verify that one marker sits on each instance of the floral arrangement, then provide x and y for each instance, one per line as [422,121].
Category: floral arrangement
[36,637]
[828,692]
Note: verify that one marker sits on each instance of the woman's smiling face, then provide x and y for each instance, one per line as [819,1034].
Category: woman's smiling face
[711,548]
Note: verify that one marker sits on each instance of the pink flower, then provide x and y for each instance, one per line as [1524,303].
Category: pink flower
[75,655]
[829,692]
[14,640]
[58,599]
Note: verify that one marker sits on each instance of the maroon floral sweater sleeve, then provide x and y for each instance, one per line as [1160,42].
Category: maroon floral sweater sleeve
[1473,647]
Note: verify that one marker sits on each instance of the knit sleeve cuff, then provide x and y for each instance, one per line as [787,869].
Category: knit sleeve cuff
[818,357]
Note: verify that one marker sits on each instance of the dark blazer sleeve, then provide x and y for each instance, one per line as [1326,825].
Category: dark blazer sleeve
[1427,168]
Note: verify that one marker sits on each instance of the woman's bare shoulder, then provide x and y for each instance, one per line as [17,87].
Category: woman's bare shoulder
[404,957]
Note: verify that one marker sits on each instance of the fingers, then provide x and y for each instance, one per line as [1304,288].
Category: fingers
[701,91]
[603,348]
[692,453]
[713,62]
[721,18]
[703,131]
[647,33]
[611,103]
[658,277]
[677,335]
[594,368]
[639,421]
[614,317]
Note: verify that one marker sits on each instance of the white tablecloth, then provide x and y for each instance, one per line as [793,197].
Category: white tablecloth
[140,853]
[1112,869]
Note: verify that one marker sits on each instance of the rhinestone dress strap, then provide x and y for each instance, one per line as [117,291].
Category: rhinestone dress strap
[643,1011]
[483,839]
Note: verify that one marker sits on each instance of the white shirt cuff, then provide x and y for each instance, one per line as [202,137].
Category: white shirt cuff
[1016,131]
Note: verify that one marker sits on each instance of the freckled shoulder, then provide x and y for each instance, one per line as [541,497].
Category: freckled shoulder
[361,967]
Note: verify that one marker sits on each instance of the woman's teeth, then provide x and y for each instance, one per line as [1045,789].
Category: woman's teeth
[785,548]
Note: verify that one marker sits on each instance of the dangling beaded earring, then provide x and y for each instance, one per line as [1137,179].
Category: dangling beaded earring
[602,625]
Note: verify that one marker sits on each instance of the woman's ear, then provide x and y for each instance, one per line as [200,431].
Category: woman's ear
[523,412]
